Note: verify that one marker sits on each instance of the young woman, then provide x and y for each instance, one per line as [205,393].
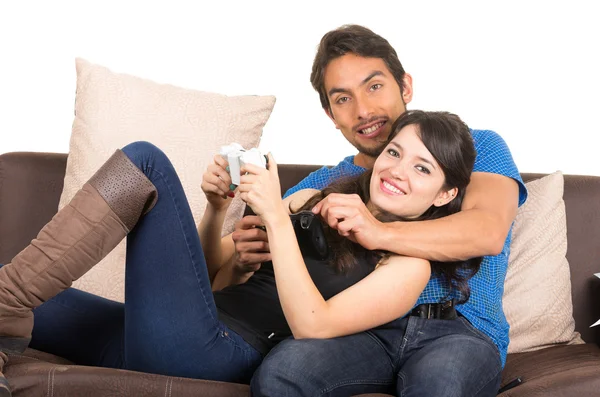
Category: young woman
[171,323]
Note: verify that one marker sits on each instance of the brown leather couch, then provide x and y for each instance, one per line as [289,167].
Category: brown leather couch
[30,186]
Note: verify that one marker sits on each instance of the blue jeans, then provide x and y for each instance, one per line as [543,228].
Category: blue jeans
[168,323]
[407,357]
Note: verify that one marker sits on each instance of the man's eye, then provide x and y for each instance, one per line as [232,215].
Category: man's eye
[375,87]
[343,99]
[422,169]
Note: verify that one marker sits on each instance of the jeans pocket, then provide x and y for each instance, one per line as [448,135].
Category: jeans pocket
[478,333]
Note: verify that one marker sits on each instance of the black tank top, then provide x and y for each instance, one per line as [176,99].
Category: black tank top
[253,310]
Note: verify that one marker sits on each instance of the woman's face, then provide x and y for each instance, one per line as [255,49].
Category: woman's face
[406,179]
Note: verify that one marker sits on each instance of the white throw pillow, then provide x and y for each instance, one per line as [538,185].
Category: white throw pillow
[537,291]
[190,126]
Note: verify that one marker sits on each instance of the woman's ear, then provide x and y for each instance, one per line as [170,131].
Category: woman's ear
[445,197]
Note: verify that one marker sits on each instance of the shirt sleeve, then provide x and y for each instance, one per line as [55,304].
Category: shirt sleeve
[315,180]
[493,156]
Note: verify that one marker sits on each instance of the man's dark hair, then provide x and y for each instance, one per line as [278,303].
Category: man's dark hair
[450,142]
[357,40]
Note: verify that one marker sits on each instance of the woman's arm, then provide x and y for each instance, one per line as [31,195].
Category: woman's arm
[387,293]
[217,251]
[215,185]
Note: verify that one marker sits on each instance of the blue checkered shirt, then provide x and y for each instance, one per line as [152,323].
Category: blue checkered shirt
[484,307]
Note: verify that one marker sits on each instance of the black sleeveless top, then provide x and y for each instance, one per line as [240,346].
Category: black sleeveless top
[253,310]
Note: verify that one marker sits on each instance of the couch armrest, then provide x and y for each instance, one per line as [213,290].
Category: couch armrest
[30,188]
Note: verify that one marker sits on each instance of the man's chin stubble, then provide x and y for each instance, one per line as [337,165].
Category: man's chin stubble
[371,151]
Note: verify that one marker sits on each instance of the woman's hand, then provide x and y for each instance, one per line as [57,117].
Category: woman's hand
[261,190]
[216,183]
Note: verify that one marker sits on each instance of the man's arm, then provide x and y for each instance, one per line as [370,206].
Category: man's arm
[488,210]
[480,228]
[243,250]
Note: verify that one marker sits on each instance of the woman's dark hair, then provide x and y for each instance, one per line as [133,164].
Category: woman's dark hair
[450,142]
[360,41]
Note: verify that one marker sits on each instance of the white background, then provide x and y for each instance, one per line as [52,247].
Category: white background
[528,70]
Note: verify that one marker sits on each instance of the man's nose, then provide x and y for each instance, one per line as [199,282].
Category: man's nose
[365,108]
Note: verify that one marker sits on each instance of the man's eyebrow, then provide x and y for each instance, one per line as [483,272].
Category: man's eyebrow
[423,159]
[336,90]
[369,77]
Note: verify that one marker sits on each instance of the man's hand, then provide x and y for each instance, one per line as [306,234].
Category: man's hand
[251,244]
[347,214]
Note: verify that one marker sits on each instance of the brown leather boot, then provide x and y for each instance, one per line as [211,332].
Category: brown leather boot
[4,387]
[98,217]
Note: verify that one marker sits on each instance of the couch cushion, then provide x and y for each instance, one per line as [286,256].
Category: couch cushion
[35,373]
[30,375]
[30,186]
[112,110]
[556,371]
[537,291]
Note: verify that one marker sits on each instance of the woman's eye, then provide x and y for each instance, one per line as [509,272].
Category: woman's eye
[422,169]
[394,153]
[375,87]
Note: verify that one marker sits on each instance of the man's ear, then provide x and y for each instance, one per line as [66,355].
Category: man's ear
[445,197]
[407,88]
[330,115]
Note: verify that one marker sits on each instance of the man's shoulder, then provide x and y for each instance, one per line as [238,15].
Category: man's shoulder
[347,161]
[325,175]
[483,136]
[494,156]
[489,143]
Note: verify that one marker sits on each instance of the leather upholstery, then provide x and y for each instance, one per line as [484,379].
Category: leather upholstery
[30,186]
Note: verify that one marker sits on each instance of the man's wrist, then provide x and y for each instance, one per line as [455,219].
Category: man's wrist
[390,234]
[240,274]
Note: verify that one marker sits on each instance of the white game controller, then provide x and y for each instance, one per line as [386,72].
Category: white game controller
[237,156]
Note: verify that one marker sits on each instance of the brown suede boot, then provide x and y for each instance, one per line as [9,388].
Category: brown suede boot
[4,386]
[82,233]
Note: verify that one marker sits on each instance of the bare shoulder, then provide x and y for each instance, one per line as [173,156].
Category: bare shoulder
[297,199]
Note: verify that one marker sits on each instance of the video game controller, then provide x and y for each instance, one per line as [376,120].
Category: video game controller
[310,235]
[237,156]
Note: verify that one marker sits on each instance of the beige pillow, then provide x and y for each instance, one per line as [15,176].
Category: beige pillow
[112,110]
[537,292]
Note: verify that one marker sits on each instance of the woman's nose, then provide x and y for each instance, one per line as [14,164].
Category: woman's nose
[398,171]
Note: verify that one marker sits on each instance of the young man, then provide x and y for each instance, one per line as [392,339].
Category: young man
[363,89]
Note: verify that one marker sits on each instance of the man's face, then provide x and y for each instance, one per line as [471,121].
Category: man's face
[365,101]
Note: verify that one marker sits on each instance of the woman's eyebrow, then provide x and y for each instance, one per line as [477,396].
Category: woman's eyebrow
[423,159]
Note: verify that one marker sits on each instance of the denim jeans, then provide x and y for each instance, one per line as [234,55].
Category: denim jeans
[407,357]
[168,323]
